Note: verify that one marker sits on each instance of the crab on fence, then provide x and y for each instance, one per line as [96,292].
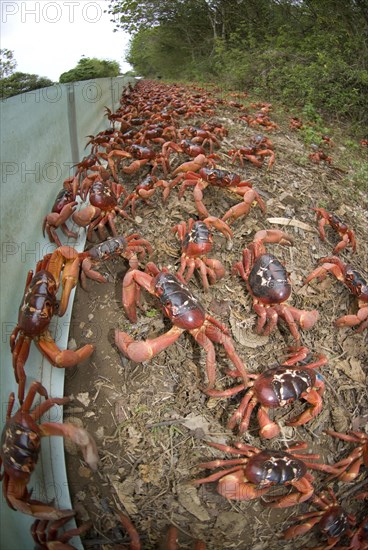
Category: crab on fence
[37,308]
[20,448]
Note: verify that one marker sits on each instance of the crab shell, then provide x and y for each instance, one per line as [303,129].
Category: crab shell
[268,280]
[178,303]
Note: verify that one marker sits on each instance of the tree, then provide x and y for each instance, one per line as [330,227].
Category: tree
[90,68]
[7,63]
[19,83]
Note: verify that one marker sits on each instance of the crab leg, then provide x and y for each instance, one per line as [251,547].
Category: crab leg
[135,543]
[18,499]
[79,436]
[62,358]
[243,208]
[235,486]
[305,491]
[314,398]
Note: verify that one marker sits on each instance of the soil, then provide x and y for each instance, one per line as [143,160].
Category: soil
[151,421]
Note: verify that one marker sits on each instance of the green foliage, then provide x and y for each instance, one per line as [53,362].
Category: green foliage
[19,83]
[303,52]
[88,68]
[7,63]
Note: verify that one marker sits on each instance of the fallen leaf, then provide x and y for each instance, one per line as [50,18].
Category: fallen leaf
[196,422]
[293,222]
[124,491]
[352,369]
[245,335]
[188,498]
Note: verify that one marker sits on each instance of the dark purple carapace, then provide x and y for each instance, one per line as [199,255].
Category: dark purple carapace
[20,447]
[111,247]
[63,198]
[356,284]
[141,152]
[282,385]
[334,522]
[38,304]
[178,303]
[274,468]
[269,280]
[219,178]
[198,240]
[101,196]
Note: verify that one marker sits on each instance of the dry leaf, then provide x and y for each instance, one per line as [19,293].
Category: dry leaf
[293,222]
[245,335]
[188,498]
[352,369]
[196,422]
[124,491]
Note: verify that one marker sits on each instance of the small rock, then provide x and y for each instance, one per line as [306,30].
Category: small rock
[90,316]
[100,432]
[89,333]
[138,219]
[72,344]
[84,398]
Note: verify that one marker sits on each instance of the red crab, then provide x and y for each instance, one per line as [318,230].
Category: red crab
[20,448]
[255,153]
[257,471]
[126,247]
[278,387]
[102,210]
[202,136]
[186,313]
[295,123]
[143,191]
[196,242]
[46,536]
[268,283]
[348,468]
[37,308]
[332,520]
[319,155]
[63,208]
[354,281]
[347,235]
[194,165]
[142,155]
[226,180]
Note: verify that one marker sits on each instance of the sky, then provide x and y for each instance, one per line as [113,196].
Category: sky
[49,37]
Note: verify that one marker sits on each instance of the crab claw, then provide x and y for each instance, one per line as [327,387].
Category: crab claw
[79,436]
[273,236]
[220,225]
[192,166]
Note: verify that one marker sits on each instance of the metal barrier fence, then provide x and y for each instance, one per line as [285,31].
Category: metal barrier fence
[43,134]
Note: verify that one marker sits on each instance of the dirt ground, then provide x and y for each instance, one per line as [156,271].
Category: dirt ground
[151,421]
